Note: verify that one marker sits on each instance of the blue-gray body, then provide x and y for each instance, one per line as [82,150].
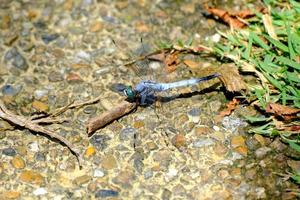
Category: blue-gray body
[146,89]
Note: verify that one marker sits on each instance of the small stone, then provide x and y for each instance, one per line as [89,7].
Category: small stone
[262,152]
[55,77]
[172,172]
[138,124]
[200,131]
[188,8]
[148,174]
[31,177]
[151,145]
[90,110]
[109,162]
[40,191]
[9,151]
[73,78]
[92,186]
[125,179]
[106,193]
[217,135]
[10,90]
[138,165]
[237,141]
[100,141]
[127,134]
[179,140]
[166,195]
[38,94]
[90,151]
[96,26]
[18,163]
[242,150]
[260,139]
[9,40]
[40,106]
[33,146]
[82,180]
[10,194]
[98,173]
[16,59]
[47,38]
[39,156]
[203,142]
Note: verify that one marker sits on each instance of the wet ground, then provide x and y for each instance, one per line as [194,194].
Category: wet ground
[55,52]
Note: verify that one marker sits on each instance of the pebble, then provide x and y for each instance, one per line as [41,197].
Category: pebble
[148,174]
[172,172]
[100,141]
[124,179]
[166,194]
[40,191]
[96,26]
[98,173]
[38,94]
[262,152]
[179,140]
[106,193]
[90,151]
[90,110]
[33,146]
[237,141]
[47,38]
[82,180]
[55,77]
[40,106]
[109,162]
[127,134]
[32,177]
[39,156]
[9,151]
[217,135]
[18,163]
[260,139]
[138,165]
[11,90]
[203,142]
[16,59]
[10,194]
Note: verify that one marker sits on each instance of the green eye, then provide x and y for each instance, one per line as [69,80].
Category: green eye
[129,93]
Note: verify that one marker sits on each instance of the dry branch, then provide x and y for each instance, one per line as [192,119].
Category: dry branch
[107,117]
[33,125]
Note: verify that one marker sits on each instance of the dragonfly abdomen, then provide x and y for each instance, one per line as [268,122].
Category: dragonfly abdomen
[185,83]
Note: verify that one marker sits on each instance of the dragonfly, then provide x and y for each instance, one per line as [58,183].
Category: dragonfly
[144,93]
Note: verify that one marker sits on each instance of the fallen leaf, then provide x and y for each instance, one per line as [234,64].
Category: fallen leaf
[286,112]
[233,19]
[231,78]
[171,61]
[267,20]
[191,64]
[230,107]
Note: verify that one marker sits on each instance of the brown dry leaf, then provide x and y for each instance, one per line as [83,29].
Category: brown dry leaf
[232,20]
[191,64]
[285,112]
[231,78]
[230,107]
[267,20]
[171,61]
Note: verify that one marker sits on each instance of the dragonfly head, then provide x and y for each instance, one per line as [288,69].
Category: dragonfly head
[129,93]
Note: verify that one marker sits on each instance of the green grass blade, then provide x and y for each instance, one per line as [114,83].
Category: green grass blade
[288,62]
[277,44]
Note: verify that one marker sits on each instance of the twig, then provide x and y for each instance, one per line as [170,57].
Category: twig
[107,117]
[74,105]
[33,125]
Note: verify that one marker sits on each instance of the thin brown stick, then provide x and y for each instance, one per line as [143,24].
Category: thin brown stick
[32,125]
[107,117]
